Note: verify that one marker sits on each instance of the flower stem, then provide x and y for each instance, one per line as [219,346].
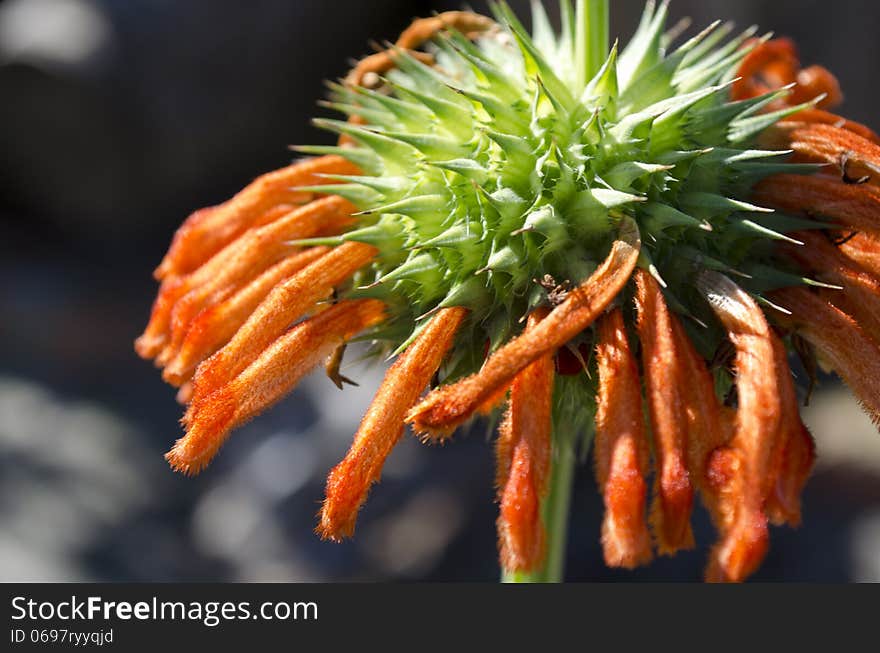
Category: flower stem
[555,510]
[591,38]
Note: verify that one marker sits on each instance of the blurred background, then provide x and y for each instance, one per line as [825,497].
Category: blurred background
[117,119]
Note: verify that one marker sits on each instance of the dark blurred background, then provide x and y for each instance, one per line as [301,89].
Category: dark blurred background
[119,117]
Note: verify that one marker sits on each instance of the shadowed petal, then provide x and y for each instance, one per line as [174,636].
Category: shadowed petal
[792,461]
[856,206]
[860,296]
[747,461]
[840,342]
[621,448]
[664,381]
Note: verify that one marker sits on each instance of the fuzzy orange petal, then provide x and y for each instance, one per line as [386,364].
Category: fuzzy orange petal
[860,296]
[864,249]
[823,143]
[216,325]
[791,463]
[840,342]
[820,116]
[621,448]
[206,232]
[524,446]
[250,255]
[664,380]
[819,196]
[268,379]
[180,297]
[382,427]
[744,539]
[443,410]
[424,29]
[287,303]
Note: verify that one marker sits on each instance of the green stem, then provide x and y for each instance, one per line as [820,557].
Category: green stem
[593,28]
[555,512]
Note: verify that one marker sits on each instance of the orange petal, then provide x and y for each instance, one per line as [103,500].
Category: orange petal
[245,257]
[813,82]
[819,196]
[702,409]
[709,428]
[206,232]
[664,379]
[424,29]
[798,459]
[821,143]
[250,255]
[860,296]
[444,409]
[382,426]
[791,463]
[864,249]
[766,67]
[524,446]
[286,303]
[268,379]
[216,325]
[826,118]
[621,448]
[744,539]
[840,342]
[156,336]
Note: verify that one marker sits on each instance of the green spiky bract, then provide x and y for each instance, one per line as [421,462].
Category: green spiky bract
[516,156]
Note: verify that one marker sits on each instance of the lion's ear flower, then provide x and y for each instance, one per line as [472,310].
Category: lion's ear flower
[600,244]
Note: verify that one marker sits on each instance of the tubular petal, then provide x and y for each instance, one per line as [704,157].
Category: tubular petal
[840,342]
[621,448]
[443,410]
[664,380]
[744,537]
[701,406]
[382,426]
[286,303]
[214,326]
[767,66]
[821,143]
[798,458]
[206,232]
[420,31]
[814,81]
[707,428]
[864,249]
[424,29]
[774,64]
[244,259]
[524,447]
[791,463]
[818,116]
[268,379]
[155,337]
[856,206]
[860,296]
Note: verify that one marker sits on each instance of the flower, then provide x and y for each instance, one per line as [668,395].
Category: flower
[560,232]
